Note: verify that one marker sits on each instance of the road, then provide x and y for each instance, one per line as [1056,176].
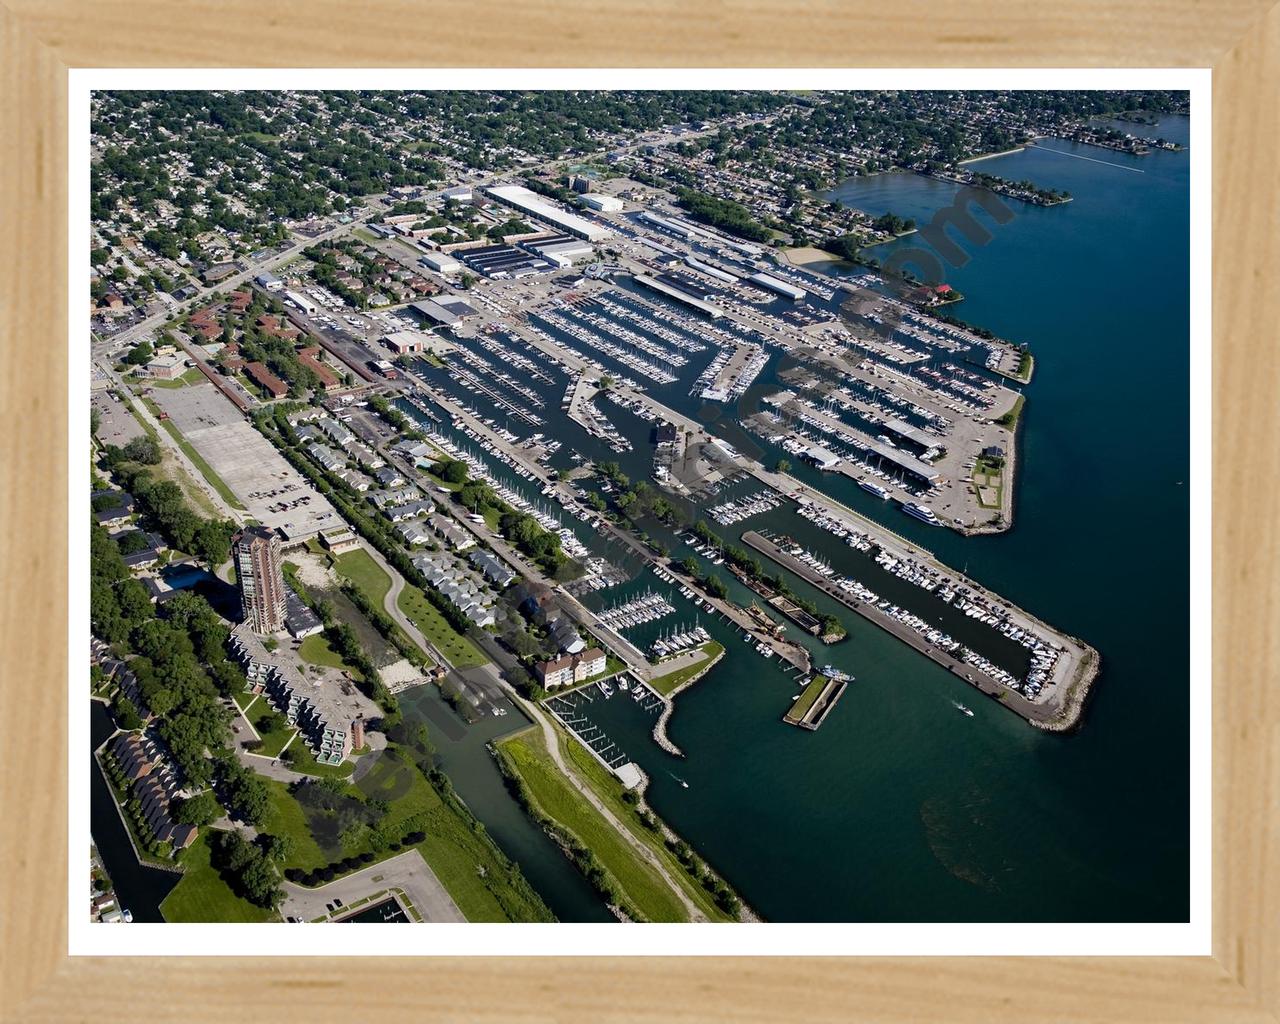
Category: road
[407,871]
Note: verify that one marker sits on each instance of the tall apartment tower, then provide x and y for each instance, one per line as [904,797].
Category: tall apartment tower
[262,592]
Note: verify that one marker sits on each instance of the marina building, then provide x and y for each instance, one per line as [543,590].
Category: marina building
[772,284]
[671,292]
[529,202]
[301,301]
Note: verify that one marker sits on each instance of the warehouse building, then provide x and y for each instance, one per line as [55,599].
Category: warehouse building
[596,201]
[529,202]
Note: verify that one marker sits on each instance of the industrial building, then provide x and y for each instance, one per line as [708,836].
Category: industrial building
[301,301]
[440,262]
[596,201]
[503,261]
[270,282]
[529,202]
[560,250]
[260,579]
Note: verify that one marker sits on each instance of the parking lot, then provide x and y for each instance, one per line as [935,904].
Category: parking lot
[273,492]
[116,425]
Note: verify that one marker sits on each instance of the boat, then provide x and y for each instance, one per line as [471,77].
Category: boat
[622,685]
[921,512]
[967,712]
[875,489]
[128,916]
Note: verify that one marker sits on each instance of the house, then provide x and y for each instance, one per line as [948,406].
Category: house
[452,534]
[414,533]
[570,668]
[114,514]
[496,571]
[388,477]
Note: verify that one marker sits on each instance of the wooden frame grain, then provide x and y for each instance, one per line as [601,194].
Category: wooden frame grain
[41,39]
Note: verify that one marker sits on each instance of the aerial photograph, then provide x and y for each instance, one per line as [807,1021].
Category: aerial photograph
[639,506]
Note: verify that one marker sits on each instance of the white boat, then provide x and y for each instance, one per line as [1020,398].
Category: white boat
[967,712]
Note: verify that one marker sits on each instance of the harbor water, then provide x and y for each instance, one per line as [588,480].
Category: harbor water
[899,808]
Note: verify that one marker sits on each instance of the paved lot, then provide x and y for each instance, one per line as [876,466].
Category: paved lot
[408,871]
[249,464]
[196,406]
[116,425]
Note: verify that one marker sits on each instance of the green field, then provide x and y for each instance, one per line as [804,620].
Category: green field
[667,684]
[359,567]
[315,650]
[609,789]
[275,735]
[460,651]
[201,895]
[643,886]
[484,884]
[805,701]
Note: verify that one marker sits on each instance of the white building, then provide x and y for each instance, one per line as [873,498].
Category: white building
[529,202]
[302,302]
[402,342]
[440,262]
[596,201]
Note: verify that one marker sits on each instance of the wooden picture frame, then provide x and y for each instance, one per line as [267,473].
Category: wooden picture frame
[42,39]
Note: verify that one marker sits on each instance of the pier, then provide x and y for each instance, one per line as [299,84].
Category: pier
[1055,710]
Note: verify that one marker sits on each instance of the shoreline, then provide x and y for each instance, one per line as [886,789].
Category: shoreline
[991,156]
[660,736]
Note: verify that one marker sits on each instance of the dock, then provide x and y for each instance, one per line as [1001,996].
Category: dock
[1049,712]
[815,702]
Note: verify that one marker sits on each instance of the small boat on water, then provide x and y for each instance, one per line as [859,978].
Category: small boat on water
[967,712]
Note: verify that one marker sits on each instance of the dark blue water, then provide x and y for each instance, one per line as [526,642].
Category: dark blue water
[899,808]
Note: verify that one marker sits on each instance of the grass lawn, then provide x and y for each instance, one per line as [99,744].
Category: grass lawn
[243,699]
[202,896]
[190,377]
[285,817]
[304,761]
[360,568]
[460,651]
[315,650]
[805,701]
[275,735]
[610,790]
[668,683]
[557,799]
[206,471]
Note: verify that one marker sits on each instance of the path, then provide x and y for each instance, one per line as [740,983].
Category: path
[550,737]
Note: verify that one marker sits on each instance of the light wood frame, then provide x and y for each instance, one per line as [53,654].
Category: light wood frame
[41,39]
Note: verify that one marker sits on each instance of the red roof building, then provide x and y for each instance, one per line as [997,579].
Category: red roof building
[266,379]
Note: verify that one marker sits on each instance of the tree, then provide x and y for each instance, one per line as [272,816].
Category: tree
[783,466]
[202,809]
[142,449]
[140,353]
[453,471]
